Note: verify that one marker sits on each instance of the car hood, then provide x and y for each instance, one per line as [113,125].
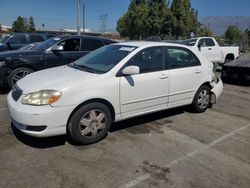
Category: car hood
[58,78]
[18,53]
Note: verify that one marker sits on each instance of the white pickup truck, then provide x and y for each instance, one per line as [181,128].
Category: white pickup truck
[209,47]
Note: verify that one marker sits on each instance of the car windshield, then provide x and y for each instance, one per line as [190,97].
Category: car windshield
[189,42]
[4,39]
[46,44]
[103,59]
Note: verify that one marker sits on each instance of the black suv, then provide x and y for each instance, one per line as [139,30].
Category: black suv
[53,52]
[17,40]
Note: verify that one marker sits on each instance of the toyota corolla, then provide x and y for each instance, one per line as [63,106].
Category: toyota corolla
[113,83]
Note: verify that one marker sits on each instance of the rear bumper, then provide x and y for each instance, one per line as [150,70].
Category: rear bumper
[216,91]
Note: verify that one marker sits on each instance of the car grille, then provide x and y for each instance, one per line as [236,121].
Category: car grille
[16,93]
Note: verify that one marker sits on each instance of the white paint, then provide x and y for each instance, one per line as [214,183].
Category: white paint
[187,156]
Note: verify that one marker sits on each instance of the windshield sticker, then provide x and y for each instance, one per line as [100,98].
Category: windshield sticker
[57,38]
[129,49]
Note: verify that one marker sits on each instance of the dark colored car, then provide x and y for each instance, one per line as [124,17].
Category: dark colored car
[18,40]
[237,70]
[53,52]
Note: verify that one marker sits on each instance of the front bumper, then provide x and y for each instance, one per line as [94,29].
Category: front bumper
[216,91]
[38,121]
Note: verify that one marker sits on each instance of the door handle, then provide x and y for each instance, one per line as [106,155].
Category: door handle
[197,71]
[163,76]
[209,48]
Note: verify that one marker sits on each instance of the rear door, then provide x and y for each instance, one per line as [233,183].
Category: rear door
[71,52]
[186,75]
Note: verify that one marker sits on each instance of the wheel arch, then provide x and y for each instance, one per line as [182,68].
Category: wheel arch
[100,100]
[230,56]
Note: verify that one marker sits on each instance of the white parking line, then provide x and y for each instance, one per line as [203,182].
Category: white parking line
[187,156]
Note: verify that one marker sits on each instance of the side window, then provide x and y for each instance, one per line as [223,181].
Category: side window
[36,38]
[149,60]
[209,42]
[202,43]
[18,39]
[70,44]
[177,57]
[91,44]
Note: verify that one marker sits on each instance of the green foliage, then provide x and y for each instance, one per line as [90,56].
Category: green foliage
[156,17]
[233,35]
[31,25]
[22,25]
[204,31]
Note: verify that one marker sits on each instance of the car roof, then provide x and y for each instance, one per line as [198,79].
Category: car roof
[85,36]
[148,43]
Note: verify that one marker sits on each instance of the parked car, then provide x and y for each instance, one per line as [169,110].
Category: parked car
[237,70]
[56,51]
[113,83]
[209,47]
[29,46]
[17,40]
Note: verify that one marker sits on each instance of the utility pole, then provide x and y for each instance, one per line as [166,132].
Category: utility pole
[83,17]
[78,18]
[103,24]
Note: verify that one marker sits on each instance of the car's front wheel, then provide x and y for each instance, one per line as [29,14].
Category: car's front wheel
[201,99]
[90,123]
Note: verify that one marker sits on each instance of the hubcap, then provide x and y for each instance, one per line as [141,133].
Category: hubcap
[20,74]
[203,99]
[93,123]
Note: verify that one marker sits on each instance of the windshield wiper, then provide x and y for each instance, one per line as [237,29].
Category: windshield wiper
[85,68]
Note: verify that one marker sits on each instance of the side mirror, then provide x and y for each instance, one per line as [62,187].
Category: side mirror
[56,49]
[131,70]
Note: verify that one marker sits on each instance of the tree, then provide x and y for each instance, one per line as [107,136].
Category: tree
[233,35]
[31,25]
[186,18]
[19,25]
[204,31]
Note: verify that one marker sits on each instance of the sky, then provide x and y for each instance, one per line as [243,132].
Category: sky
[61,14]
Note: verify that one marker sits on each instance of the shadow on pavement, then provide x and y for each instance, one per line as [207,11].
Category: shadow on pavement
[146,118]
[55,141]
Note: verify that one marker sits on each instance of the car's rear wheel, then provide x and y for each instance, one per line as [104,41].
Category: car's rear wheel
[18,74]
[90,123]
[201,99]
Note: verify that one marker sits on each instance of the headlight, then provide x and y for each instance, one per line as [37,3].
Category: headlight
[2,63]
[43,97]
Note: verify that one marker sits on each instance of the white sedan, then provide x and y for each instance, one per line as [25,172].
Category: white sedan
[113,83]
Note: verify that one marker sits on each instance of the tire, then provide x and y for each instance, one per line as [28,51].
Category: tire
[201,100]
[90,123]
[18,74]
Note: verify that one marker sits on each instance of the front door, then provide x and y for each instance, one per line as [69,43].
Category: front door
[210,50]
[70,53]
[147,91]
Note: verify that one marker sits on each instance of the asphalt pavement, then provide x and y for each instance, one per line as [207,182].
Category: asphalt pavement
[173,148]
